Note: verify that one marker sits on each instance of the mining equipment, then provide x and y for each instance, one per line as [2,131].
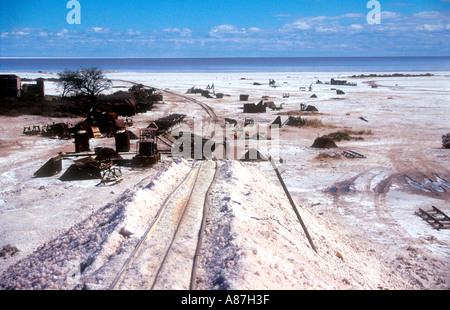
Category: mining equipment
[147,151]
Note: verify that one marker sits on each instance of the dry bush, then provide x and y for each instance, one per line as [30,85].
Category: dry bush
[314,123]
[446,141]
[326,155]
[304,122]
[346,134]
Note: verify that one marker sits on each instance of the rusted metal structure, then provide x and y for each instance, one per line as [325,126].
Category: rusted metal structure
[52,167]
[60,130]
[165,124]
[32,131]
[106,154]
[243,97]
[272,105]
[146,148]
[255,108]
[308,108]
[352,154]
[122,140]
[83,169]
[82,141]
[107,123]
[291,200]
[295,121]
[435,217]
[341,82]
[276,123]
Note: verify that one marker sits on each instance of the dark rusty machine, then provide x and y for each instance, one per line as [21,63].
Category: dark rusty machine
[146,148]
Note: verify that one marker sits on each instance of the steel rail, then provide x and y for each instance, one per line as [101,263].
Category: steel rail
[147,233]
[206,107]
[185,208]
[193,284]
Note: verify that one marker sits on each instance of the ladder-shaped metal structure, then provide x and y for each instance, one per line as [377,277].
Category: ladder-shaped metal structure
[435,218]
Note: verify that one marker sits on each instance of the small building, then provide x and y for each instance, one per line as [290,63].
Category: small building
[37,89]
[10,86]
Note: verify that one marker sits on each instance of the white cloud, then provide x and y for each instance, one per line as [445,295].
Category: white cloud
[431,28]
[356,26]
[100,30]
[352,15]
[327,29]
[254,29]
[132,32]
[185,32]
[300,24]
[225,29]
[389,15]
[62,33]
[428,14]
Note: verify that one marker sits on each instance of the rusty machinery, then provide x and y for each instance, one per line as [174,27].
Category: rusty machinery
[146,149]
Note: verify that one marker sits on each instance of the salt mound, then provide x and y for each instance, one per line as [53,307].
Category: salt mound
[64,262]
[254,241]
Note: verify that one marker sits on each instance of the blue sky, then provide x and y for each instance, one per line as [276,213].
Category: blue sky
[225,28]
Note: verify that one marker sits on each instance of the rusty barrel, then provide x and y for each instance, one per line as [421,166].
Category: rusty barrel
[82,141]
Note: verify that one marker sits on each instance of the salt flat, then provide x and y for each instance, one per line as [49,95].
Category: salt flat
[362,208]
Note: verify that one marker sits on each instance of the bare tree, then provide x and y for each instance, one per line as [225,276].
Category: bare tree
[67,80]
[89,82]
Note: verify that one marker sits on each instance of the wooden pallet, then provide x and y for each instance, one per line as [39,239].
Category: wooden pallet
[352,154]
[435,218]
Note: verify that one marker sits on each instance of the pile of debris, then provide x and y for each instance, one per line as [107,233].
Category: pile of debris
[99,122]
[83,169]
[205,93]
[324,143]
[308,108]
[125,104]
[296,121]
[341,82]
[164,125]
[8,251]
[60,130]
[272,105]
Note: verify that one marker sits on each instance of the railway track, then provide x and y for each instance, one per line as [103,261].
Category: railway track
[203,105]
[172,242]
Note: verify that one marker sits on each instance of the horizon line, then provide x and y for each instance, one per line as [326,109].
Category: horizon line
[99,57]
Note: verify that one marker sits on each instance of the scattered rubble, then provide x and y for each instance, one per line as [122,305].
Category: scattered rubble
[8,251]
[324,143]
